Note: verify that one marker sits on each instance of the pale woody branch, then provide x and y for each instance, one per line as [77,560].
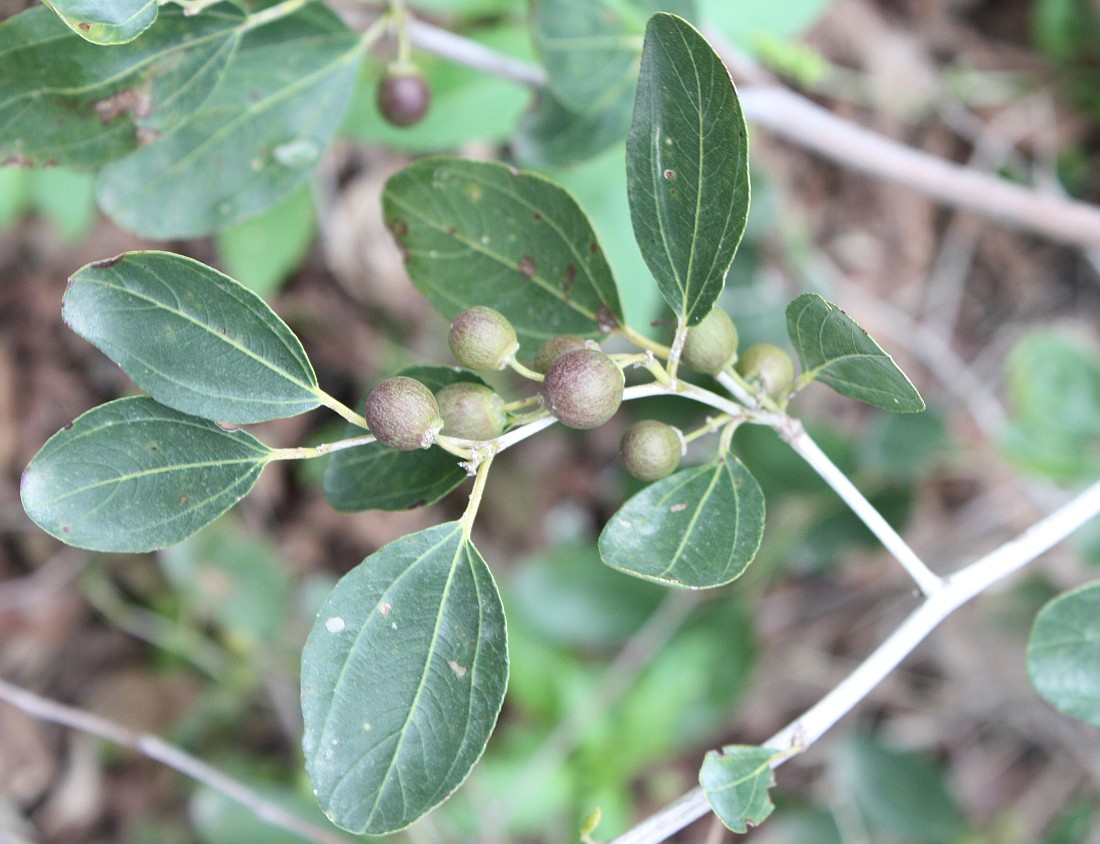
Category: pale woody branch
[795,118]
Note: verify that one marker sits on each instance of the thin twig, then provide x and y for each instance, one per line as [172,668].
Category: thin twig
[957,589]
[795,118]
[156,748]
[927,581]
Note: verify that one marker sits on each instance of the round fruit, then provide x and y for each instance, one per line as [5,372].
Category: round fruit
[402,413]
[769,367]
[403,96]
[471,411]
[650,449]
[554,348]
[482,339]
[583,388]
[712,344]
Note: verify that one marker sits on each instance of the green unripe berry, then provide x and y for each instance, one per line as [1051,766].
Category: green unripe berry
[650,449]
[403,96]
[554,348]
[482,339]
[768,367]
[402,413]
[583,388]
[471,411]
[712,344]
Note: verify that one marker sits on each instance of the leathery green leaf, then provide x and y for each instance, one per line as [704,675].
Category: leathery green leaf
[736,780]
[687,167]
[252,142]
[106,21]
[481,233]
[1063,653]
[377,477]
[133,475]
[403,676]
[697,528]
[836,351]
[68,102]
[194,339]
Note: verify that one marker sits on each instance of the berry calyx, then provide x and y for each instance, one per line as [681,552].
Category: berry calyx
[554,348]
[711,345]
[402,413]
[471,411]
[403,95]
[482,339]
[767,367]
[651,450]
[583,388]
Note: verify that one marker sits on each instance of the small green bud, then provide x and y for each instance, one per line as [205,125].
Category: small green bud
[402,413]
[583,388]
[650,449]
[471,411]
[482,339]
[403,96]
[768,367]
[554,348]
[712,344]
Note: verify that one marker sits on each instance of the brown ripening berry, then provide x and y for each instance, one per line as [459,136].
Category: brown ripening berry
[471,411]
[554,348]
[402,413]
[403,96]
[651,450]
[482,339]
[583,388]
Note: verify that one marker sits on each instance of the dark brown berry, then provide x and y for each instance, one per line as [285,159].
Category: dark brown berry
[650,449]
[402,413]
[583,388]
[482,339]
[403,97]
[712,344]
[471,411]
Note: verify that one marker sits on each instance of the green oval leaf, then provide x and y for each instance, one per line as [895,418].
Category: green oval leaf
[476,233]
[133,475]
[377,477]
[403,676]
[106,21]
[687,164]
[697,528]
[194,339]
[68,102]
[252,142]
[551,135]
[1063,653]
[736,780]
[836,351]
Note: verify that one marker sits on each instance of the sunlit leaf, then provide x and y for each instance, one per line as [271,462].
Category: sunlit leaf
[403,676]
[134,475]
[698,528]
[736,780]
[836,351]
[106,21]
[252,142]
[68,102]
[687,167]
[194,339]
[377,477]
[481,233]
[1063,653]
